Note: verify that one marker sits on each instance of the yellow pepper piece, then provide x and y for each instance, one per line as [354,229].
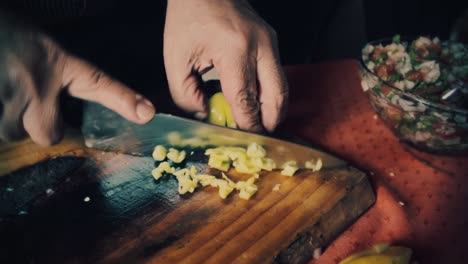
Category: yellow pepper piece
[159,153]
[380,254]
[314,165]
[219,162]
[220,112]
[246,188]
[186,184]
[254,150]
[175,155]
[289,168]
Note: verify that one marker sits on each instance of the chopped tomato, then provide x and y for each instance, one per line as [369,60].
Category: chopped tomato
[422,52]
[394,115]
[386,89]
[381,71]
[415,76]
[377,53]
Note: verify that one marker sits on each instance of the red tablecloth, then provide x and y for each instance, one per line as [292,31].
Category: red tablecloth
[422,199]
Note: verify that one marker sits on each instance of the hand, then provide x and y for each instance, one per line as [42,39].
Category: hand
[230,36]
[34,70]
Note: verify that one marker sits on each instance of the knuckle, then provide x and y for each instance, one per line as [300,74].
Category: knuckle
[247,101]
[189,96]
[240,42]
[101,81]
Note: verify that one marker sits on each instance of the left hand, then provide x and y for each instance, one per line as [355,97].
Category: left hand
[230,36]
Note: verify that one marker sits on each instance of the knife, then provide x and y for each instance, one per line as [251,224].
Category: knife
[104,129]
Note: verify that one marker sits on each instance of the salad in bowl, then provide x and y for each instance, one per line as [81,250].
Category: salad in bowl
[419,88]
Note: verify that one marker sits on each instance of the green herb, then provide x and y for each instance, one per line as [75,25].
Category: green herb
[406,130]
[377,90]
[407,119]
[420,85]
[393,77]
[384,56]
[426,123]
[412,55]
[390,96]
[396,39]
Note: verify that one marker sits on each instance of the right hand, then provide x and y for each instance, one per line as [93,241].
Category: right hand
[33,72]
[229,36]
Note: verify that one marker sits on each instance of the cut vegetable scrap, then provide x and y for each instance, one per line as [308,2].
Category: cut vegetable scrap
[255,151]
[246,166]
[175,155]
[193,175]
[236,153]
[162,167]
[268,164]
[215,151]
[166,167]
[314,165]
[159,153]
[229,181]
[156,173]
[251,160]
[205,179]
[186,183]
[247,188]
[289,168]
[219,162]
[224,188]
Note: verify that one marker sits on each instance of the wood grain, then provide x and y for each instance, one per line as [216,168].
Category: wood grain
[133,219]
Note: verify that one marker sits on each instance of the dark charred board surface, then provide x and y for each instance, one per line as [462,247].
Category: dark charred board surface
[130,218]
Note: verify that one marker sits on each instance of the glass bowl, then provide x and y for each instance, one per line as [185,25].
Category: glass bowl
[426,125]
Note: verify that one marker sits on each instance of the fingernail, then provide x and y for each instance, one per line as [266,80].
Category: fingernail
[201,115]
[145,110]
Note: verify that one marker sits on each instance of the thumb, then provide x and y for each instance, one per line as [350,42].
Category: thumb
[89,83]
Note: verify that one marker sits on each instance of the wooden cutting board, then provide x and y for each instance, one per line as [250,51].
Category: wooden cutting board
[45,215]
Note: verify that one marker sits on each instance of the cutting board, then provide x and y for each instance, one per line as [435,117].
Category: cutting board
[66,204]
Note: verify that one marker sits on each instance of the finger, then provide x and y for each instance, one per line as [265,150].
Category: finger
[16,82]
[239,85]
[28,111]
[273,90]
[186,87]
[42,121]
[87,82]
[11,112]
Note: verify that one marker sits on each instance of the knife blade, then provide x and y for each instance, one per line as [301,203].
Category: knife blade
[106,130]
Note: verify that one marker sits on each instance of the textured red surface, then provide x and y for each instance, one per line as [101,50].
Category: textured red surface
[422,199]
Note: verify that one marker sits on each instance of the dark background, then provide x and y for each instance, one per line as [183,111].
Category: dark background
[124,38]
